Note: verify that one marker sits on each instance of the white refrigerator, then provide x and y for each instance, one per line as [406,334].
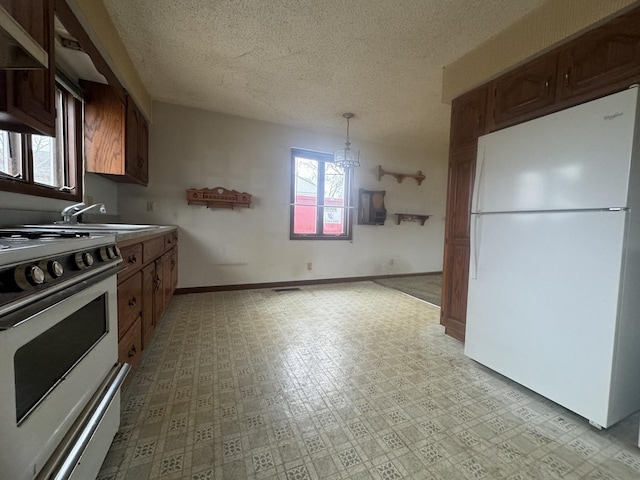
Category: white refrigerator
[554,275]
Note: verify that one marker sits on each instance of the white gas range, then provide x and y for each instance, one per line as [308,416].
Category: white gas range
[59,365]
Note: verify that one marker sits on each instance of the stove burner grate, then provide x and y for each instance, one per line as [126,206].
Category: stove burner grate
[39,234]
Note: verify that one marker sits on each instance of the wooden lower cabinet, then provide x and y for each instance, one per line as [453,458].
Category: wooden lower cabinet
[130,345]
[148,314]
[146,282]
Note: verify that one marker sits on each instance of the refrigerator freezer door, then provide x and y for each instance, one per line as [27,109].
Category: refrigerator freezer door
[542,307]
[577,158]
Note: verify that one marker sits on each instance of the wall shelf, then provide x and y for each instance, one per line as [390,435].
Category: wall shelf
[411,217]
[419,177]
[218,197]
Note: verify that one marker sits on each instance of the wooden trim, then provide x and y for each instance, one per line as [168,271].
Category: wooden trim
[295,283]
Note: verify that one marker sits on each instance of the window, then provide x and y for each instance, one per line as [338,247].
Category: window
[46,166]
[320,197]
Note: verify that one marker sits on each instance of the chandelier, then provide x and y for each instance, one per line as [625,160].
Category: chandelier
[345,157]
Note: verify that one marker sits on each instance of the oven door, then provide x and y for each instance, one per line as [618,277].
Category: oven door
[54,356]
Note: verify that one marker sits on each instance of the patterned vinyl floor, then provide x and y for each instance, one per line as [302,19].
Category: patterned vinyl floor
[346,381]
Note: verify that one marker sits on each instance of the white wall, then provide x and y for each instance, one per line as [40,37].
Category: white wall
[192,148]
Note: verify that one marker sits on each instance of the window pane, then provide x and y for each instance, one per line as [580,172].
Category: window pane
[306,193]
[334,188]
[48,152]
[11,153]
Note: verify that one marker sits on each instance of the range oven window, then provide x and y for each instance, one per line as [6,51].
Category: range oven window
[43,362]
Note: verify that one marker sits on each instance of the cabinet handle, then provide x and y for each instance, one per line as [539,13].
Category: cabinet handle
[547,84]
[158,282]
[133,259]
[173,264]
[132,301]
[133,351]
[566,78]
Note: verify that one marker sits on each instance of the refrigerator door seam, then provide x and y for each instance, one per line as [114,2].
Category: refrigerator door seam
[568,210]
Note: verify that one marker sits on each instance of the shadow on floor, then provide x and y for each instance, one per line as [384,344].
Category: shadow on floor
[425,287]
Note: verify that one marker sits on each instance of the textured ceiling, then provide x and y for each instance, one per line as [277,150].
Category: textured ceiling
[305,62]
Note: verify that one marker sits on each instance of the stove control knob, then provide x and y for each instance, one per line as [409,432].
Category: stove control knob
[83,260]
[28,276]
[35,275]
[115,250]
[55,269]
[104,254]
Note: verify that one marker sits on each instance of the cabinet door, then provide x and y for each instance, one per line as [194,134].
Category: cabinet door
[130,345]
[167,280]
[457,242]
[148,287]
[131,142]
[143,149]
[129,302]
[158,291]
[174,270]
[28,96]
[601,61]
[468,118]
[523,93]
[104,129]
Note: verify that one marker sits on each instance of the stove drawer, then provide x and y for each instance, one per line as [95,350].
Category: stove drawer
[129,303]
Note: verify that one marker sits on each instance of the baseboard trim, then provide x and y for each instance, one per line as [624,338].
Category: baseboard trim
[296,283]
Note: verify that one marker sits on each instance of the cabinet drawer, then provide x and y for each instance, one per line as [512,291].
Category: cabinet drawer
[153,248]
[170,240]
[130,345]
[129,302]
[131,259]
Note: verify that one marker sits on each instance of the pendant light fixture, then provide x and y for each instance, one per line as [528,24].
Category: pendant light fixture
[345,157]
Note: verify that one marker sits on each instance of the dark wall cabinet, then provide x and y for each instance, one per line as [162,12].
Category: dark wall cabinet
[371,209]
[27,97]
[116,136]
[602,61]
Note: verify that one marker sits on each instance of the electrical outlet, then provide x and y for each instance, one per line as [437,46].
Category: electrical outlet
[151,206]
[309,266]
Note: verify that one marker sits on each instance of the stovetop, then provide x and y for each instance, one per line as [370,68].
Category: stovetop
[25,244]
[35,262]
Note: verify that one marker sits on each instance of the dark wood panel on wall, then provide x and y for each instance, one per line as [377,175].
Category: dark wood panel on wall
[526,91]
[454,287]
[602,61]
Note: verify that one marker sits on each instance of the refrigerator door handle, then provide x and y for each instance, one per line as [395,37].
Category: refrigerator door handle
[476,220]
[478,184]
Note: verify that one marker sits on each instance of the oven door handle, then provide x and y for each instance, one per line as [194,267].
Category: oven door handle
[23,314]
[61,464]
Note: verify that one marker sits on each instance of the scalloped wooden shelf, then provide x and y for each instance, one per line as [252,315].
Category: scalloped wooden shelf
[411,217]
[401,176]
[218,197]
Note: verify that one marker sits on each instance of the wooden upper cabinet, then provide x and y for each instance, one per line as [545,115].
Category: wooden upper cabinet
[601,61]
[523,92]
[27,97]
[468,118]
[116,136]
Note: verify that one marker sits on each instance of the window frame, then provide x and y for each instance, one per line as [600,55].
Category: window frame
[322,158]
[73,158]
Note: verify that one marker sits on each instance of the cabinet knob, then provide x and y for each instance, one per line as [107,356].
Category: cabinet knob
[132,301]
[133,351]
[133,259]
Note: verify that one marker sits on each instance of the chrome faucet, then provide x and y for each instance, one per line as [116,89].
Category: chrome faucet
[70,213]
